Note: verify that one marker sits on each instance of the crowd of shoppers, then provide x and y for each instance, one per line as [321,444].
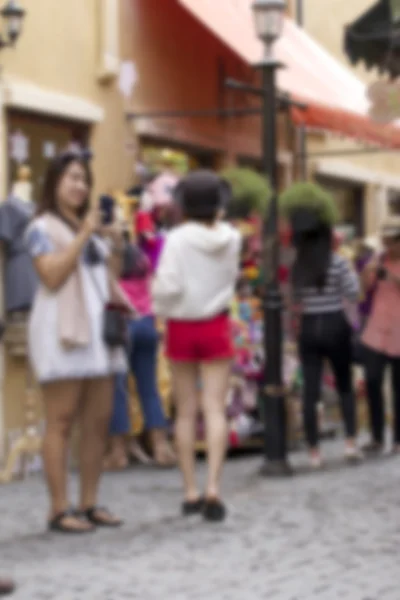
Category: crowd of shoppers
[186,277]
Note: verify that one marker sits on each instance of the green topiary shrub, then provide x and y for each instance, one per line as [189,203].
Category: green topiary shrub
[312,197]
[251,192]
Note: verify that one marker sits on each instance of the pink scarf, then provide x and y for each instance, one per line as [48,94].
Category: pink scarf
[73,317]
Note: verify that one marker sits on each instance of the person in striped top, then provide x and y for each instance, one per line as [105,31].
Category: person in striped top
[322,282]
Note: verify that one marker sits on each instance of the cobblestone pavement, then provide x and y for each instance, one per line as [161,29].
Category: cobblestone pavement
[324,535]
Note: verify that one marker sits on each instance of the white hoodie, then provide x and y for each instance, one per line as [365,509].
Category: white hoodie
[196,276]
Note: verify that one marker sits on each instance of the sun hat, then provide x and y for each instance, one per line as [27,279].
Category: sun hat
[202,192]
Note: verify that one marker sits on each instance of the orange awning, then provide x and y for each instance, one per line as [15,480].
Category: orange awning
[336,100]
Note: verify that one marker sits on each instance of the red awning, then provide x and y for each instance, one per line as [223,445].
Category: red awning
[347,124]
[336,99]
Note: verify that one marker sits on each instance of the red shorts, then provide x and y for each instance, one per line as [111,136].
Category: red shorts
[200,341]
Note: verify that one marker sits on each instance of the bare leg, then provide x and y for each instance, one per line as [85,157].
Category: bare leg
[215,382]
[117,456]
[185,381]
[137,453]
[61,400]
[163,453]
[95,421]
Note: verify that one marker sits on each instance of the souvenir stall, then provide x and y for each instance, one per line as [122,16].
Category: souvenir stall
[242,402]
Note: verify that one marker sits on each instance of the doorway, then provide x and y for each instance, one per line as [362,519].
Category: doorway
[34,140]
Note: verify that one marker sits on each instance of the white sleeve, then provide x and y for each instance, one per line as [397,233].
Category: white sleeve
[167,283]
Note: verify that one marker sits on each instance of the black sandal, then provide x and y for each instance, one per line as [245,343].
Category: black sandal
[92,515]
[214,510]
[192,507]
[7,587]
[56,524]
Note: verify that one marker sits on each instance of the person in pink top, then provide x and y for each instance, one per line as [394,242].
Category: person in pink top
[142,355]
[155,214]
[381,337]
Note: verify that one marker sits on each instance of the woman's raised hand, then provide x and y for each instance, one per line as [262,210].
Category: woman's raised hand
[91,223]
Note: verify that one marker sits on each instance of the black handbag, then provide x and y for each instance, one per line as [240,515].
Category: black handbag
[115,321]
[115,326]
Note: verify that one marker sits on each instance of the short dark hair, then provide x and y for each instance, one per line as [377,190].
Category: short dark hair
[201,195]
[54,174]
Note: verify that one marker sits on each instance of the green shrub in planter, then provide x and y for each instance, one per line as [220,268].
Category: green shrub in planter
[251,192]
[311,197]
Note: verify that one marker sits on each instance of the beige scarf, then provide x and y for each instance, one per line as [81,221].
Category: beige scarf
[73,317]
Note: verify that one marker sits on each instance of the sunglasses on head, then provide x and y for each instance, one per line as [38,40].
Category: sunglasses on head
[84,155]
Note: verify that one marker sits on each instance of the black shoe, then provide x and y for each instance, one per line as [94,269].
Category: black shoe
[214,511]
[372,449]
[191,508]
[7,587]
[101,517]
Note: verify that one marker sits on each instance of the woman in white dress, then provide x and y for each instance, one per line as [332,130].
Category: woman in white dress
[71,361]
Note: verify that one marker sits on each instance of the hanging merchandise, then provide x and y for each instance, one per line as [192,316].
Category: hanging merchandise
[158,159]
[128,78]
[19,147]
[49,150]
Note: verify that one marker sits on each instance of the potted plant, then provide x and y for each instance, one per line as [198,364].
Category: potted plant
[308,206]
[251,192]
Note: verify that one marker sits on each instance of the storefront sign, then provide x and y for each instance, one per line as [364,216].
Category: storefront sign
[385,101]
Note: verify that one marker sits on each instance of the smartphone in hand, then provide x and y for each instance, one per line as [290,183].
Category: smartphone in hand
[107,206]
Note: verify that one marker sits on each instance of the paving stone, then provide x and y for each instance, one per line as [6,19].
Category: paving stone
[323,535]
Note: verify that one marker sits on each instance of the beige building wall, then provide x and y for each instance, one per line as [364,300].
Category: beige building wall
[70,48]
[66,65]
[325,21]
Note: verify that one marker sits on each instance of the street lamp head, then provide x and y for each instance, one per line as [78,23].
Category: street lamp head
[268,19]
[13,14]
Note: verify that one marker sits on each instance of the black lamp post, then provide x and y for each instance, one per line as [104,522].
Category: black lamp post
[269,19]
[13,15]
